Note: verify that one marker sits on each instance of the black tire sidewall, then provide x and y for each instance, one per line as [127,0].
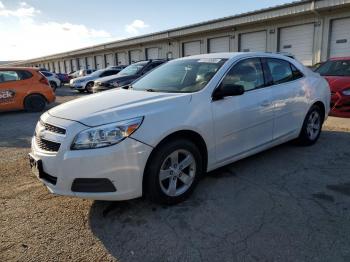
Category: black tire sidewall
[87,87]
[153,189]
[53,85]
[303,138]
[34,103]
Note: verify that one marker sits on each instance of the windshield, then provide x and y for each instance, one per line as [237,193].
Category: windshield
[335,68]
[133,69]
[181,76]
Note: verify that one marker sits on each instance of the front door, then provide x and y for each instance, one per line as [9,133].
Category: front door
[243,123]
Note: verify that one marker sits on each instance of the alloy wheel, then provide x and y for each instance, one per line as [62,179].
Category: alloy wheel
[313,125]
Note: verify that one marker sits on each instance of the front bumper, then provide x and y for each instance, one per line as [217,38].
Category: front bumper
[122,164]
[340,105]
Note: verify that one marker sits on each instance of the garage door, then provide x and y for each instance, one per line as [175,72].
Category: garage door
[121,57]
[192,48]
[152,53]
[62,69]
[253,42]
[99,62]
[90,63]
[110,60]
[298,40]
[220,44]
[82,64]
[57,68]
[135,56]
[74,65]
[68,67]
[340,38]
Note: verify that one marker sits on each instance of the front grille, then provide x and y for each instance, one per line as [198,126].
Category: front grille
[47,145]
[53,129]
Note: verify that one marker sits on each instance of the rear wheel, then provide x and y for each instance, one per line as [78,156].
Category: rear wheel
[53,85]
[173,172]
[312,127]
[34,103]
[89,87]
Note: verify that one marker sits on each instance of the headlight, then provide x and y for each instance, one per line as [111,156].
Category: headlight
[115,84]
[106,135]
[346,92]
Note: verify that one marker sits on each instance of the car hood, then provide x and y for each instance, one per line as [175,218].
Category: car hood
[338,83]
[117,105]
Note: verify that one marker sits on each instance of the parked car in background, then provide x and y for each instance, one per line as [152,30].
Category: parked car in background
[186,117]
[64,78]
[337,73]
[119,67]
[53,79]
[24,88]
[316,66]
[126,76]
[85,83]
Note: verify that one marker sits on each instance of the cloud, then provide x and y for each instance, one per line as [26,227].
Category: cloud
[24,10]
[23,37]
[135,27]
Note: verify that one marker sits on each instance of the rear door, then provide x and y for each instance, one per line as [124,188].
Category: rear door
[288,96]
[243,123]
[12,89]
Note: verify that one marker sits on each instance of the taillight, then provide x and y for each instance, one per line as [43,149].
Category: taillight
[44,81]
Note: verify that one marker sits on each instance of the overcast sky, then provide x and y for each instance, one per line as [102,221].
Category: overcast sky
[41,27]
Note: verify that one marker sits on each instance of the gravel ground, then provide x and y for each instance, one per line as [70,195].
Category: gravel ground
[286,204]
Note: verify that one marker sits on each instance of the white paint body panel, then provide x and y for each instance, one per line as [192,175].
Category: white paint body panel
[219,44]
[232,128]
[340,38]
[253,42]
[299,41]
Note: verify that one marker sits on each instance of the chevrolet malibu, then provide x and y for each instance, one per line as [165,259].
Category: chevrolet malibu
[183,119]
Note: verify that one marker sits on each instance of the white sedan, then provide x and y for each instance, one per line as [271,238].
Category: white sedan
[181,120]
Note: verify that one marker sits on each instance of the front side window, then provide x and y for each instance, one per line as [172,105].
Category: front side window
[7,76]
[281,70]
[180,76]
[335,68]
[247,73]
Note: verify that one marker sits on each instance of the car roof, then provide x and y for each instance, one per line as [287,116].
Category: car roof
[340,58]
[230,55]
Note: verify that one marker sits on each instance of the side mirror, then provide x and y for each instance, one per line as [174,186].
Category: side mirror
[227,90]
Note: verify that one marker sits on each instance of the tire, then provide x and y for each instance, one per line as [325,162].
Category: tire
[312,127]
[34,103]
[89,87]
[160,188]
[53,85]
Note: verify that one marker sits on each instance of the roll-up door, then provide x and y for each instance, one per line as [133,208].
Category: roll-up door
[152,53]
[82,64]
[192,48]
[340,38]
[99,62]
[90,63]
[74,64]
[253,42]
[110,60]
[68,66]
[62,69]
[220,44]
[299,41]
[121,57]
[135,56]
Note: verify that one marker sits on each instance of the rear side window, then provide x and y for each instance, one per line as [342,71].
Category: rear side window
[8,76]
[296,73]
[281,71]
[109,73]
[23,75]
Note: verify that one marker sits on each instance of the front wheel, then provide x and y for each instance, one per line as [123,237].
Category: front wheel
[173,172]
[34,103]
[53,85]
[89,87]
[312,127]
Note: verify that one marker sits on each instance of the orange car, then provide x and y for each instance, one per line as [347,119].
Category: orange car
[24,88]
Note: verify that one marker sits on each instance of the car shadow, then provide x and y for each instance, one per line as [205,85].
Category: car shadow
[224,217]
